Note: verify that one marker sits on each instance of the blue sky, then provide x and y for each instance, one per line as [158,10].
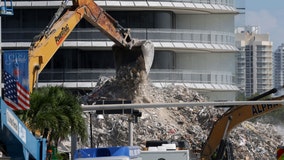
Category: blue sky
[269,15]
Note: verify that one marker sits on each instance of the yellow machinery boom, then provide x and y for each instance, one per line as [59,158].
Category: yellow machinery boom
[48,42]
[235,116]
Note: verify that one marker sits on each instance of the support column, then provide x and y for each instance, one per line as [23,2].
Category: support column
[91,130]
[130,131]
[73,144]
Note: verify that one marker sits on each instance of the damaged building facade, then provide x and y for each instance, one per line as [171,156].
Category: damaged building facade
[194,43]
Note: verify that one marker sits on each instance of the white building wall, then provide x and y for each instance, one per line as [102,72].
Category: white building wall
[213,22]
[197,61]
[207,60]
[203,22]
[211,96]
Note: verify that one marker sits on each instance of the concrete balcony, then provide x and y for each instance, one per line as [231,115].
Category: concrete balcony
[198,80]
[163,39]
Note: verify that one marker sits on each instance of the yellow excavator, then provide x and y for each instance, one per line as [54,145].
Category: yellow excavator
[17,140]
[217,142]
[127,50]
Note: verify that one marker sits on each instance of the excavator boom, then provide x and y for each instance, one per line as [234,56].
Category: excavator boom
[42,51]
[48,42]
[236,115]
[96,16]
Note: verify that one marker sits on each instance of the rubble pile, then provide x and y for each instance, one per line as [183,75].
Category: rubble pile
[255,140]
[193,124]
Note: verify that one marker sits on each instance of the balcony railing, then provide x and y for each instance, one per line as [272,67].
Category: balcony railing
[156,75]
[217,2]
[156,35]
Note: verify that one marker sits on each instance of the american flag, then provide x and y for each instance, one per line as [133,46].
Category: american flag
[15,95]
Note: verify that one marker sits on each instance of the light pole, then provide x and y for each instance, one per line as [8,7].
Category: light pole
[91,130]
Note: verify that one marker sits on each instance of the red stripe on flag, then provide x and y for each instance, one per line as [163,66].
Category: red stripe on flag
[23,97]
[23,91]
[12,104]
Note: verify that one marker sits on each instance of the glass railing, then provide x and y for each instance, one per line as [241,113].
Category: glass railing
[188,76]
[156,75]
[156,35]
[218,2]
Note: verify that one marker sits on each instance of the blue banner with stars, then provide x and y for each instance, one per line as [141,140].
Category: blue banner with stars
[16,82]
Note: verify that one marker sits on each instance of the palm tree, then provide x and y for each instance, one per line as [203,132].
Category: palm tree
[58,110]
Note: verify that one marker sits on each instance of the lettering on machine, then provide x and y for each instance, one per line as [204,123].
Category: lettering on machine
[63,33]
[257,109]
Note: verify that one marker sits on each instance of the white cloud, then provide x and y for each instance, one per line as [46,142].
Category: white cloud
[270,22]
[262,18]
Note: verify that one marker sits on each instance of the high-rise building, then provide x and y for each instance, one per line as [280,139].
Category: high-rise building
[278,66]
[254,65]
[194,42]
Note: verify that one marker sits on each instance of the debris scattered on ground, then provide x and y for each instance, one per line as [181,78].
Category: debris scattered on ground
[193,124]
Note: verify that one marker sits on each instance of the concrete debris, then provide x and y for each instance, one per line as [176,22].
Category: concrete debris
[250,140]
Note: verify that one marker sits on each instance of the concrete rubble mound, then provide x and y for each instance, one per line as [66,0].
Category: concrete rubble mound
[250,140]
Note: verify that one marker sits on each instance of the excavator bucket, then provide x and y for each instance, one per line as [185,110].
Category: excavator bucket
[139,57]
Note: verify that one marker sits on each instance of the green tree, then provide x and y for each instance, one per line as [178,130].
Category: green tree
[55,109]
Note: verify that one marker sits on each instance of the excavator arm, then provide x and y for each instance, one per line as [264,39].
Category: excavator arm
[231,118]
[96,16]
[48,42]
[42,50]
